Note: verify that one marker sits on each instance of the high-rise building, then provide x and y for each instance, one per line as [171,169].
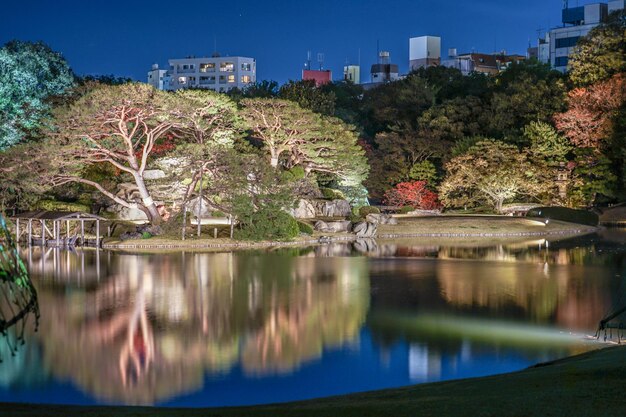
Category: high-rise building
[216,73]
[352,73]
[424,52]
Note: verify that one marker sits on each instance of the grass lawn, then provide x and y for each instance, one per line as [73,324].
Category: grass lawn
[590,384]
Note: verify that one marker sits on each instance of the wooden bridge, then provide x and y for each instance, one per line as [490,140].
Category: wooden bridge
[67,229]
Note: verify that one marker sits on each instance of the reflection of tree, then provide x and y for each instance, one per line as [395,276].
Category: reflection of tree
[159,323]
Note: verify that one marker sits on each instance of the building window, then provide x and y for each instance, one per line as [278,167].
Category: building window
[208,67]
[231,78]
[207,80]
[561,61]
[182,80]
[245,79]
[566,42]
[246,66]
[222,79]
[192,80]
[227,66]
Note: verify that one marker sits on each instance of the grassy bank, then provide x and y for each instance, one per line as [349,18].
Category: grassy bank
[466,227]
[590,384]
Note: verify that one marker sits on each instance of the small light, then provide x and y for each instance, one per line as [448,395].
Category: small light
[547,221]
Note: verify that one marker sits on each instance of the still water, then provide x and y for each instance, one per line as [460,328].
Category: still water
[212,329]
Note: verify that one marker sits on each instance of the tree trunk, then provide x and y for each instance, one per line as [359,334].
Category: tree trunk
[150,207]
[274,161]
[499,204]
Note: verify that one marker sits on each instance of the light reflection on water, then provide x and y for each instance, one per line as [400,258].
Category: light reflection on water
[202,329]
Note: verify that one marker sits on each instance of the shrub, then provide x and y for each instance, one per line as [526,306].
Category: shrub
[332,194]
[365,210]
[412,193]
[146,235]
[268,224]
[53,205]
[218,213]
[406,209]
[305,228]
[565,214]
[294,174]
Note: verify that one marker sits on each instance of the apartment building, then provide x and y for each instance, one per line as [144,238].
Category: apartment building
[558,44]
[424,52]
[217,73]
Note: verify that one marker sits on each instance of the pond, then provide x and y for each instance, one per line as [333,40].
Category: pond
[199,329]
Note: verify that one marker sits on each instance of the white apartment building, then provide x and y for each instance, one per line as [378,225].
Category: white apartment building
[217,73]
[559,43]
[158,78]
[424,52]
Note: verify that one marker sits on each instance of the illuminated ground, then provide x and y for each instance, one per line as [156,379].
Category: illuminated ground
[591,384]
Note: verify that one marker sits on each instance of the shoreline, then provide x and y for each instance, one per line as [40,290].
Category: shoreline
[579,385]
[452,227]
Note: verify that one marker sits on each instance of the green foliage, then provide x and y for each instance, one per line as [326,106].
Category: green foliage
[332,194]
[309,96]
[267,224]
[406,209]
[424,171]
[146,235]
[305,228]
[601,54]
[546,143]
[565,214]
[30,74]
[218,213]
[592,176]
[365,210]
[294,174]
[53,205]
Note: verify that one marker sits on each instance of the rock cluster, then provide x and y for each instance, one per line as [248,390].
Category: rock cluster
[308,209]
[333,227]
[365,229]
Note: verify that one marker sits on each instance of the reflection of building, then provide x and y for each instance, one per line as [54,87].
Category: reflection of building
[216,73]
[558,43]
[424,52]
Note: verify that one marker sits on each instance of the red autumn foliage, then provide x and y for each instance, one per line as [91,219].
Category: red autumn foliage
[589,120]
[412,194]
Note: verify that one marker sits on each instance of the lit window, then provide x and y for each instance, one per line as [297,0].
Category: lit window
[227,66]
[208,67]
[231,78]
[245,79]
[182,80]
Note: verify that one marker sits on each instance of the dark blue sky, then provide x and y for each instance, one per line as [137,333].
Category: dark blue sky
[126,37]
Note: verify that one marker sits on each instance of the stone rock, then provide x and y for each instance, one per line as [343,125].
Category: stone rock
[128,214]
[305,210]
[193,206]
[153,174]
[172,166]
[381,219]
[333,227]
[424,213]
[336,208]
[365,229]
[130,236]
[148,228]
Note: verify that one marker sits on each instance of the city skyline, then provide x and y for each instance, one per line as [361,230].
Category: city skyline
[126,39]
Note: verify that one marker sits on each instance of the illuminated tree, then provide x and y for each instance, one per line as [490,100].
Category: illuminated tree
[601,54]
[490,172]
[30,73]
[309,96]
[546,143]
[117,125]
[589,121]
[414,194]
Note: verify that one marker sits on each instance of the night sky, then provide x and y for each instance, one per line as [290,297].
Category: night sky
[125,38]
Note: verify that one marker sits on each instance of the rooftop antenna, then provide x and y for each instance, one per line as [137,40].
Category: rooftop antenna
[565,4]
[359,57]
[307,65]
[320,60]
[214,45]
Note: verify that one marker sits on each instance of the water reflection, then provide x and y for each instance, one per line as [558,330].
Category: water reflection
[191,328]
[156,324]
